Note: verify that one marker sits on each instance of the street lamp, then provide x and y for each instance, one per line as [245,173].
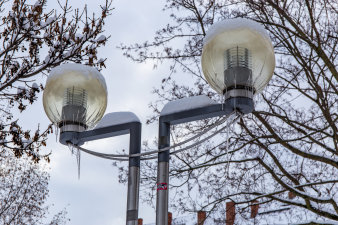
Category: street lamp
[237,61]
[75,99]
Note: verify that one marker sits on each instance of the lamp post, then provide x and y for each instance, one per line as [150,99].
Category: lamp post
[237,61]
[75,99]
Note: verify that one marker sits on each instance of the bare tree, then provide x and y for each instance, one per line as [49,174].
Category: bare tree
[34,41]
[24,190]
[289,144]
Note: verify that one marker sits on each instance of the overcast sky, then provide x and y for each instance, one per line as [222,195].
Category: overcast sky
[97,198]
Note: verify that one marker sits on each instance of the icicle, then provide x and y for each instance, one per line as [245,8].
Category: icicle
[227,144]
[230,126]
[227,137]
[78,157]
[70,148]
[56,130]
[75,151]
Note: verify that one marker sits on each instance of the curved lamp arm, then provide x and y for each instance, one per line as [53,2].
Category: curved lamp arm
[132,128]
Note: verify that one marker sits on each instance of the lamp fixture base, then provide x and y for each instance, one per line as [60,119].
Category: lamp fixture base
[69,133]
[244,105]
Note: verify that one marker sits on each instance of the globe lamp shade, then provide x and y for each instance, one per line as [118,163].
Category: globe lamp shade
[75,97]
[238,60]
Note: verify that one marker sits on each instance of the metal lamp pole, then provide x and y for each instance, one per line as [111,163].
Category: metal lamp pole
[240,104]
[132,128]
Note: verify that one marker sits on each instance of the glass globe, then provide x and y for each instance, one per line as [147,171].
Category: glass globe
[75,97]
[237,54]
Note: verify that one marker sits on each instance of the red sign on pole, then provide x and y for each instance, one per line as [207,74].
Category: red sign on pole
[162,186]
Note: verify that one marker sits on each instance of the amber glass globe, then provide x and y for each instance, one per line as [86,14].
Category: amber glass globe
[237,54]
[75,96]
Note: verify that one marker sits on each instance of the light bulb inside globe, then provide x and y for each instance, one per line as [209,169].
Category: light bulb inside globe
[75,97]
[74,109]
[237,71]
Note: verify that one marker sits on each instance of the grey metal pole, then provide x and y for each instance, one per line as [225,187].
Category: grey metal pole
[134,175]
[163,175]
[132,128]
[165,122]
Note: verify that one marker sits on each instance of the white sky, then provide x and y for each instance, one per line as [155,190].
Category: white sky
[98,198]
